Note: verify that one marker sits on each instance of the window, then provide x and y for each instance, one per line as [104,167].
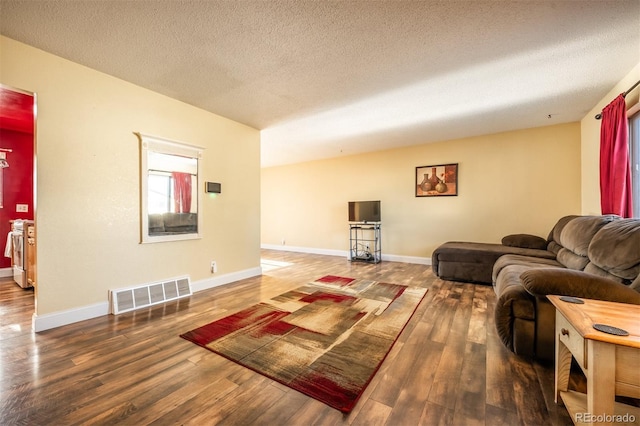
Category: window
[160,192]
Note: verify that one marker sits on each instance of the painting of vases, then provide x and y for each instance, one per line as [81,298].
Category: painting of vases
[439,180]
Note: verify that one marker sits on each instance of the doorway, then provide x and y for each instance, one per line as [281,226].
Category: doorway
[17,186]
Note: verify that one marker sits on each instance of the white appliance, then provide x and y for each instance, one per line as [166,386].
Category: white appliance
[19,253]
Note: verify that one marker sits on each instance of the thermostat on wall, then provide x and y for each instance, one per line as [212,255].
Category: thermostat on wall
[213,187]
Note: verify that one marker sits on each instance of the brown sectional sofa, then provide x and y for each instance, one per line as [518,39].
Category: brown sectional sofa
[473,262]
[595,257]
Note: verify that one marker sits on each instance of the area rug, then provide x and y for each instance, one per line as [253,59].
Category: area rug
[325,339]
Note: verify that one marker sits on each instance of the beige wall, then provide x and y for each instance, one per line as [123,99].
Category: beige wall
[590,130]
[88,208]
[514,182]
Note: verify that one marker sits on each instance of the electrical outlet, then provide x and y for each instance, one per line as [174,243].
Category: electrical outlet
[214,267]
[22,208]
[283,242]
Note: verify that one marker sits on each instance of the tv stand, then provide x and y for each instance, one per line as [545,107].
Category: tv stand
[364,242]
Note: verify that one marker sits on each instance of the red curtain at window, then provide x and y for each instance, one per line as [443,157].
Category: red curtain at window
[182,191]
[615,171]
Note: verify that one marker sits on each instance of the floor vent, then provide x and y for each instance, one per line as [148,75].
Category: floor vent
[129,299]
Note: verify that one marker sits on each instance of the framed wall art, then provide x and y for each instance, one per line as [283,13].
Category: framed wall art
[437,181]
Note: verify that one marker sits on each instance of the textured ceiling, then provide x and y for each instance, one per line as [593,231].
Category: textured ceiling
[324,79]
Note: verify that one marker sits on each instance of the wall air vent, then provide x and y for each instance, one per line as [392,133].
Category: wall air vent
[129,299]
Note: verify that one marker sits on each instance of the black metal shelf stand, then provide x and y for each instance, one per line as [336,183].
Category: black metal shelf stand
[365,242]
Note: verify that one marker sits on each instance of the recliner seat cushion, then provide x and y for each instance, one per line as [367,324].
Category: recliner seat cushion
[528,261]
[570,260]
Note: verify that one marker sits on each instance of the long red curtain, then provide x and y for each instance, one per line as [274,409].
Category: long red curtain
[615,171]
[182,191]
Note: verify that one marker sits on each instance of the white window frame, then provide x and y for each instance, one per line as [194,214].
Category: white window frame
[166,146]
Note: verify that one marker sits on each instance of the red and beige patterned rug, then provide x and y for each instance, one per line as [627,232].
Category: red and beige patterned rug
[325,339]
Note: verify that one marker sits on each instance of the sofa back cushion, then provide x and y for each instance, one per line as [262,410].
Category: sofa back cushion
[575,238]
[614,251]
[554,236]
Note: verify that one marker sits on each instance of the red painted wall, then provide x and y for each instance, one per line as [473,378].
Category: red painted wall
[16,133]
[17,182]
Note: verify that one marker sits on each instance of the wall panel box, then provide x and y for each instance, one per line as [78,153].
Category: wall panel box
[213,187]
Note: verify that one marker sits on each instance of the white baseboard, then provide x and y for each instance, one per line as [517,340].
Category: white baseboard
[6,272]
[345,254]
[225,279]
[407,259]
[70,316]
[310,250]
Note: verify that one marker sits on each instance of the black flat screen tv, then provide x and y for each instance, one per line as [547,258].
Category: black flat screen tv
[364,211]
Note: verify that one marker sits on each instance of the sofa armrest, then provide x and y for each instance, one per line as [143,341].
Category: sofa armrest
[567,282]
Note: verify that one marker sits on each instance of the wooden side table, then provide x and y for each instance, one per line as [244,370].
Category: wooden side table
[611,363]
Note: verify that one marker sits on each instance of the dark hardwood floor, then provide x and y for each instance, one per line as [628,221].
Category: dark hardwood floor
[448,367]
